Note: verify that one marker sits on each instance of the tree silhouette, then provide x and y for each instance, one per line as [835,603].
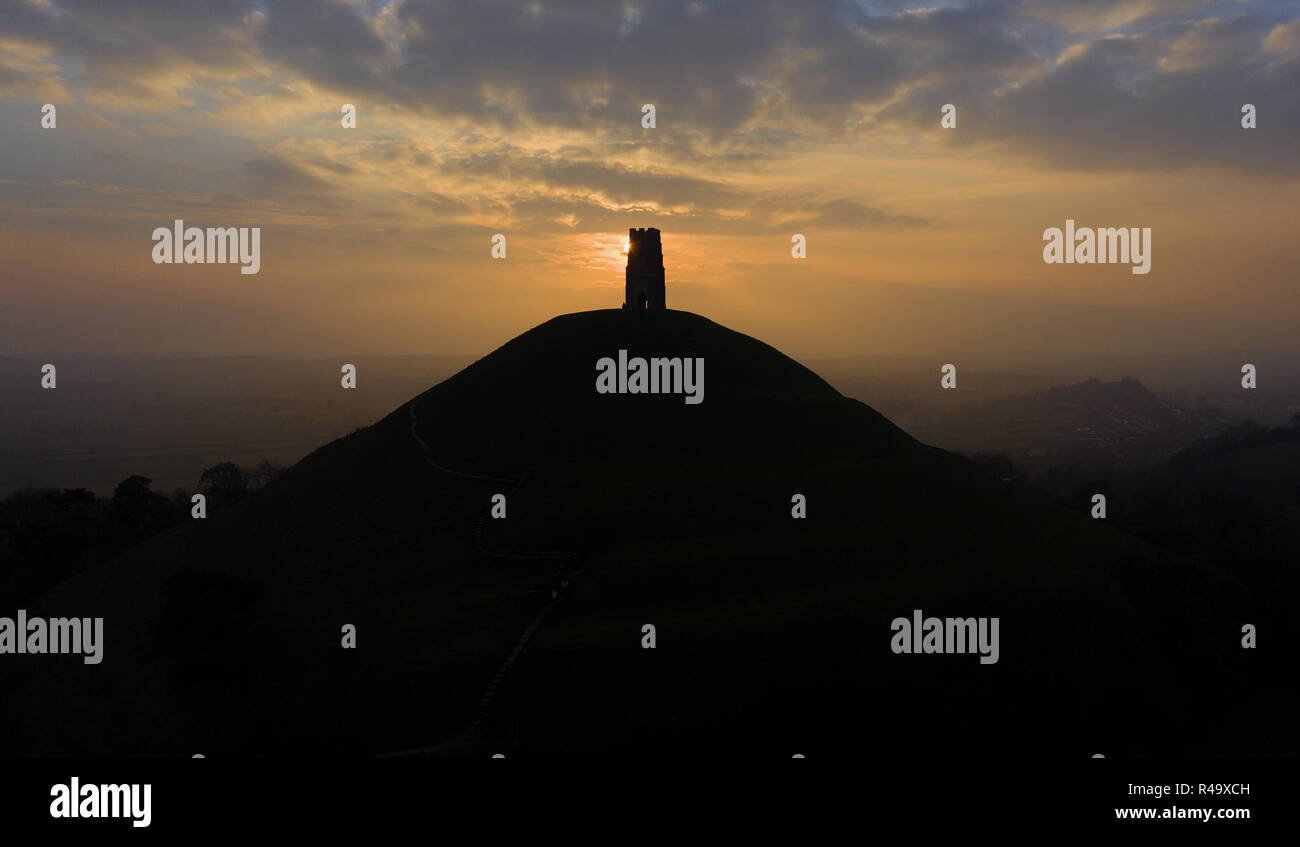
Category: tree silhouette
[134,514]
[224,483]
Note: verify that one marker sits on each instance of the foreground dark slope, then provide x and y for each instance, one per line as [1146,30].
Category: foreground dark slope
[222,637]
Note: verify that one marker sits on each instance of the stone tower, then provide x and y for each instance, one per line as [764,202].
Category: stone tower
[645,270]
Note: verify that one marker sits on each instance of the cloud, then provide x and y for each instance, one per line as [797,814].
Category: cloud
[1284,38]
[1213,43]
[26,72]
[1165,101]
[326,42]
[1160,100]
[166,130]
[1107,15]
[279,178]
[529,111]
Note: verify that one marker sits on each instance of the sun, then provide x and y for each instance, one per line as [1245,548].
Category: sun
[627,245]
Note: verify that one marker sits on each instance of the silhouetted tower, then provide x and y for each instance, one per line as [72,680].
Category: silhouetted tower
[645,270]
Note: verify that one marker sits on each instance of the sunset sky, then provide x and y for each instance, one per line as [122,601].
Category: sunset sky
[524,118]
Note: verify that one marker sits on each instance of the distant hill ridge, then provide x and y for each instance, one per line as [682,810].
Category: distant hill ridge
[1125,390]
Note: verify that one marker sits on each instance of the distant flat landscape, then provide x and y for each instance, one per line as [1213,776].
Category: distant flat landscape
[169,418]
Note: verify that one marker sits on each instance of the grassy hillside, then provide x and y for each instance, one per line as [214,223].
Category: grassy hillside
[223,636]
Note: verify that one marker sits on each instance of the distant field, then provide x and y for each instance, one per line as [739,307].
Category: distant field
[169,418]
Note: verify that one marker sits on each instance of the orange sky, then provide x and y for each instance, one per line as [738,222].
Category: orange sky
[920,239]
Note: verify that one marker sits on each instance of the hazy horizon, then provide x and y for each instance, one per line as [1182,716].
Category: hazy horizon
[1041,360]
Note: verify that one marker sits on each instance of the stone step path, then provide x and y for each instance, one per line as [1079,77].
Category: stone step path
[485,702]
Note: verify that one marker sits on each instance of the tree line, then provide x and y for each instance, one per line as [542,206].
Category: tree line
[46,535]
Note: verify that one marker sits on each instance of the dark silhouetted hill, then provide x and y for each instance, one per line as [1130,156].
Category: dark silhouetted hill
[223,636]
